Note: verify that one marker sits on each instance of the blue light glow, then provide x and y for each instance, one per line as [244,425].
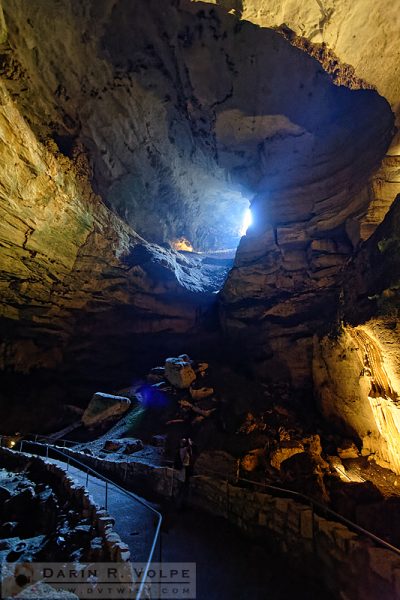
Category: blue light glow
[247,221]
[151,397]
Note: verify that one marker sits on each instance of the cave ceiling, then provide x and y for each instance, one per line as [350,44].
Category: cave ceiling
[185,112]
[129,124]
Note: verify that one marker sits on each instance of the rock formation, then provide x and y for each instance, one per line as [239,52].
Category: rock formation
[128,129]
[357,369]
[361,34]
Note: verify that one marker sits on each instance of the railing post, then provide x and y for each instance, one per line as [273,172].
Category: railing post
[36,437]
[69,458]
[21,445]
[172,482]
[47,451]
[227,499]
[87,477]
[106,499]
[160,561]
[313,528]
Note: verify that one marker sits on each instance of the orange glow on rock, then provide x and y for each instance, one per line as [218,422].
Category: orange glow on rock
[182,244]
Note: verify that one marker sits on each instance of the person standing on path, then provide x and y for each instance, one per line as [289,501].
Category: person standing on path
[186,455]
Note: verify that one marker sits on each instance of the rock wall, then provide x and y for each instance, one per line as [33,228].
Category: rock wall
[349,396]
[357,370]
[76,278]
[138,476]
[285,282]
[350,566]
[362,34]
[175,117]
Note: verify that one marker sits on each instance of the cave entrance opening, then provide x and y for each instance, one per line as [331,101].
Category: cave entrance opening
[220,228]
[213,245]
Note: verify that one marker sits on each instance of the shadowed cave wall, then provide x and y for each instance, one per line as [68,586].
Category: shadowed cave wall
[130,124]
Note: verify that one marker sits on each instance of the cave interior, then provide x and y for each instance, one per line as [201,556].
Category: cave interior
[200,239]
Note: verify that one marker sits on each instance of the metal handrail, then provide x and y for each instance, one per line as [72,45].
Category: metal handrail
[157,537]
[315,504]
[37,437]
[48,439]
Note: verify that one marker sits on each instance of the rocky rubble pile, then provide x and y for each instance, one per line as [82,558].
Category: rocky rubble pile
[188,386]
[37,525]
[175,400]
[268,442]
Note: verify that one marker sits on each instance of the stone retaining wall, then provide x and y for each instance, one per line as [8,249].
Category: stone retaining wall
[349,565]
[145,478]
[106,544]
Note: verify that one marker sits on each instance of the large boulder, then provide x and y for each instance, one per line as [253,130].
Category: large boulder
[179,372]
[103,407]
[348,449]
[200,392]
[285,450]
[253,460]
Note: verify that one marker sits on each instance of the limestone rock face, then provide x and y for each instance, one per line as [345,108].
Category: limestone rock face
[362,34]
[128,123]
[76,281]
[357,370]
[284,283]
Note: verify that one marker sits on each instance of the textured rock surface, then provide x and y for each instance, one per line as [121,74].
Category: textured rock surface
[75,278]
[357,371]
[175,116]
[284,283]
[362,34]
[103,407]
[179,372]
[323,548]
[282,288]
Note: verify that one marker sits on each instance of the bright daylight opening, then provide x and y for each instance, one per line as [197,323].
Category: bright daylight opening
[247,221]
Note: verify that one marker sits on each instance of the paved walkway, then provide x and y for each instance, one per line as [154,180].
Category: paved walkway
[134,523]
[229,566]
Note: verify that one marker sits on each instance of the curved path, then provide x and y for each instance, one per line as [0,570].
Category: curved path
[229,566]
[134,523]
